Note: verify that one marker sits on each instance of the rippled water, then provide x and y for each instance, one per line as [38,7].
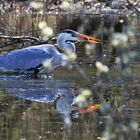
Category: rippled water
[32,108]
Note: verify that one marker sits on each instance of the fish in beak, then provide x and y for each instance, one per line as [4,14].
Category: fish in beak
[87,38]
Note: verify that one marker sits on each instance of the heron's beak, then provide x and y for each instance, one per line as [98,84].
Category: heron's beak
[86,38]
[89,108]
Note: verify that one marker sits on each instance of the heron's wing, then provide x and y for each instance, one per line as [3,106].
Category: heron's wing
[28,58]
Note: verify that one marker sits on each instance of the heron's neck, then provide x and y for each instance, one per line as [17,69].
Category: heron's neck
[65,46]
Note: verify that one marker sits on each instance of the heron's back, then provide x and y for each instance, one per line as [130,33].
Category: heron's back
[27,58]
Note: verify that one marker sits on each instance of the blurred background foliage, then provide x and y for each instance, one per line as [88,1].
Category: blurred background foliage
[108,73]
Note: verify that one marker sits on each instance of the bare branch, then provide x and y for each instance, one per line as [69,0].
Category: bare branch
[9,40]
[20,38]
[133,6]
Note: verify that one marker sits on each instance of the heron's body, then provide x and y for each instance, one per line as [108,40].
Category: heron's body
[33,58]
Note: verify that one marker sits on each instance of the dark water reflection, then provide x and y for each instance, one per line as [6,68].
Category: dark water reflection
[30,109]
[36,113]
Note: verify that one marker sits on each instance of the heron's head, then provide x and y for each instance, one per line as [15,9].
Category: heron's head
[73,36]
[67,38]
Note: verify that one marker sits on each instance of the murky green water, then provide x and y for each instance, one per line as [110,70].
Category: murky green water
[27,107]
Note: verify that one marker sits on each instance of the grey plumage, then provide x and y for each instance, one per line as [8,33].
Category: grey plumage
[37,57]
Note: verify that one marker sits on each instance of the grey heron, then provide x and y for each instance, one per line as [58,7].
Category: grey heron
[33,58]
